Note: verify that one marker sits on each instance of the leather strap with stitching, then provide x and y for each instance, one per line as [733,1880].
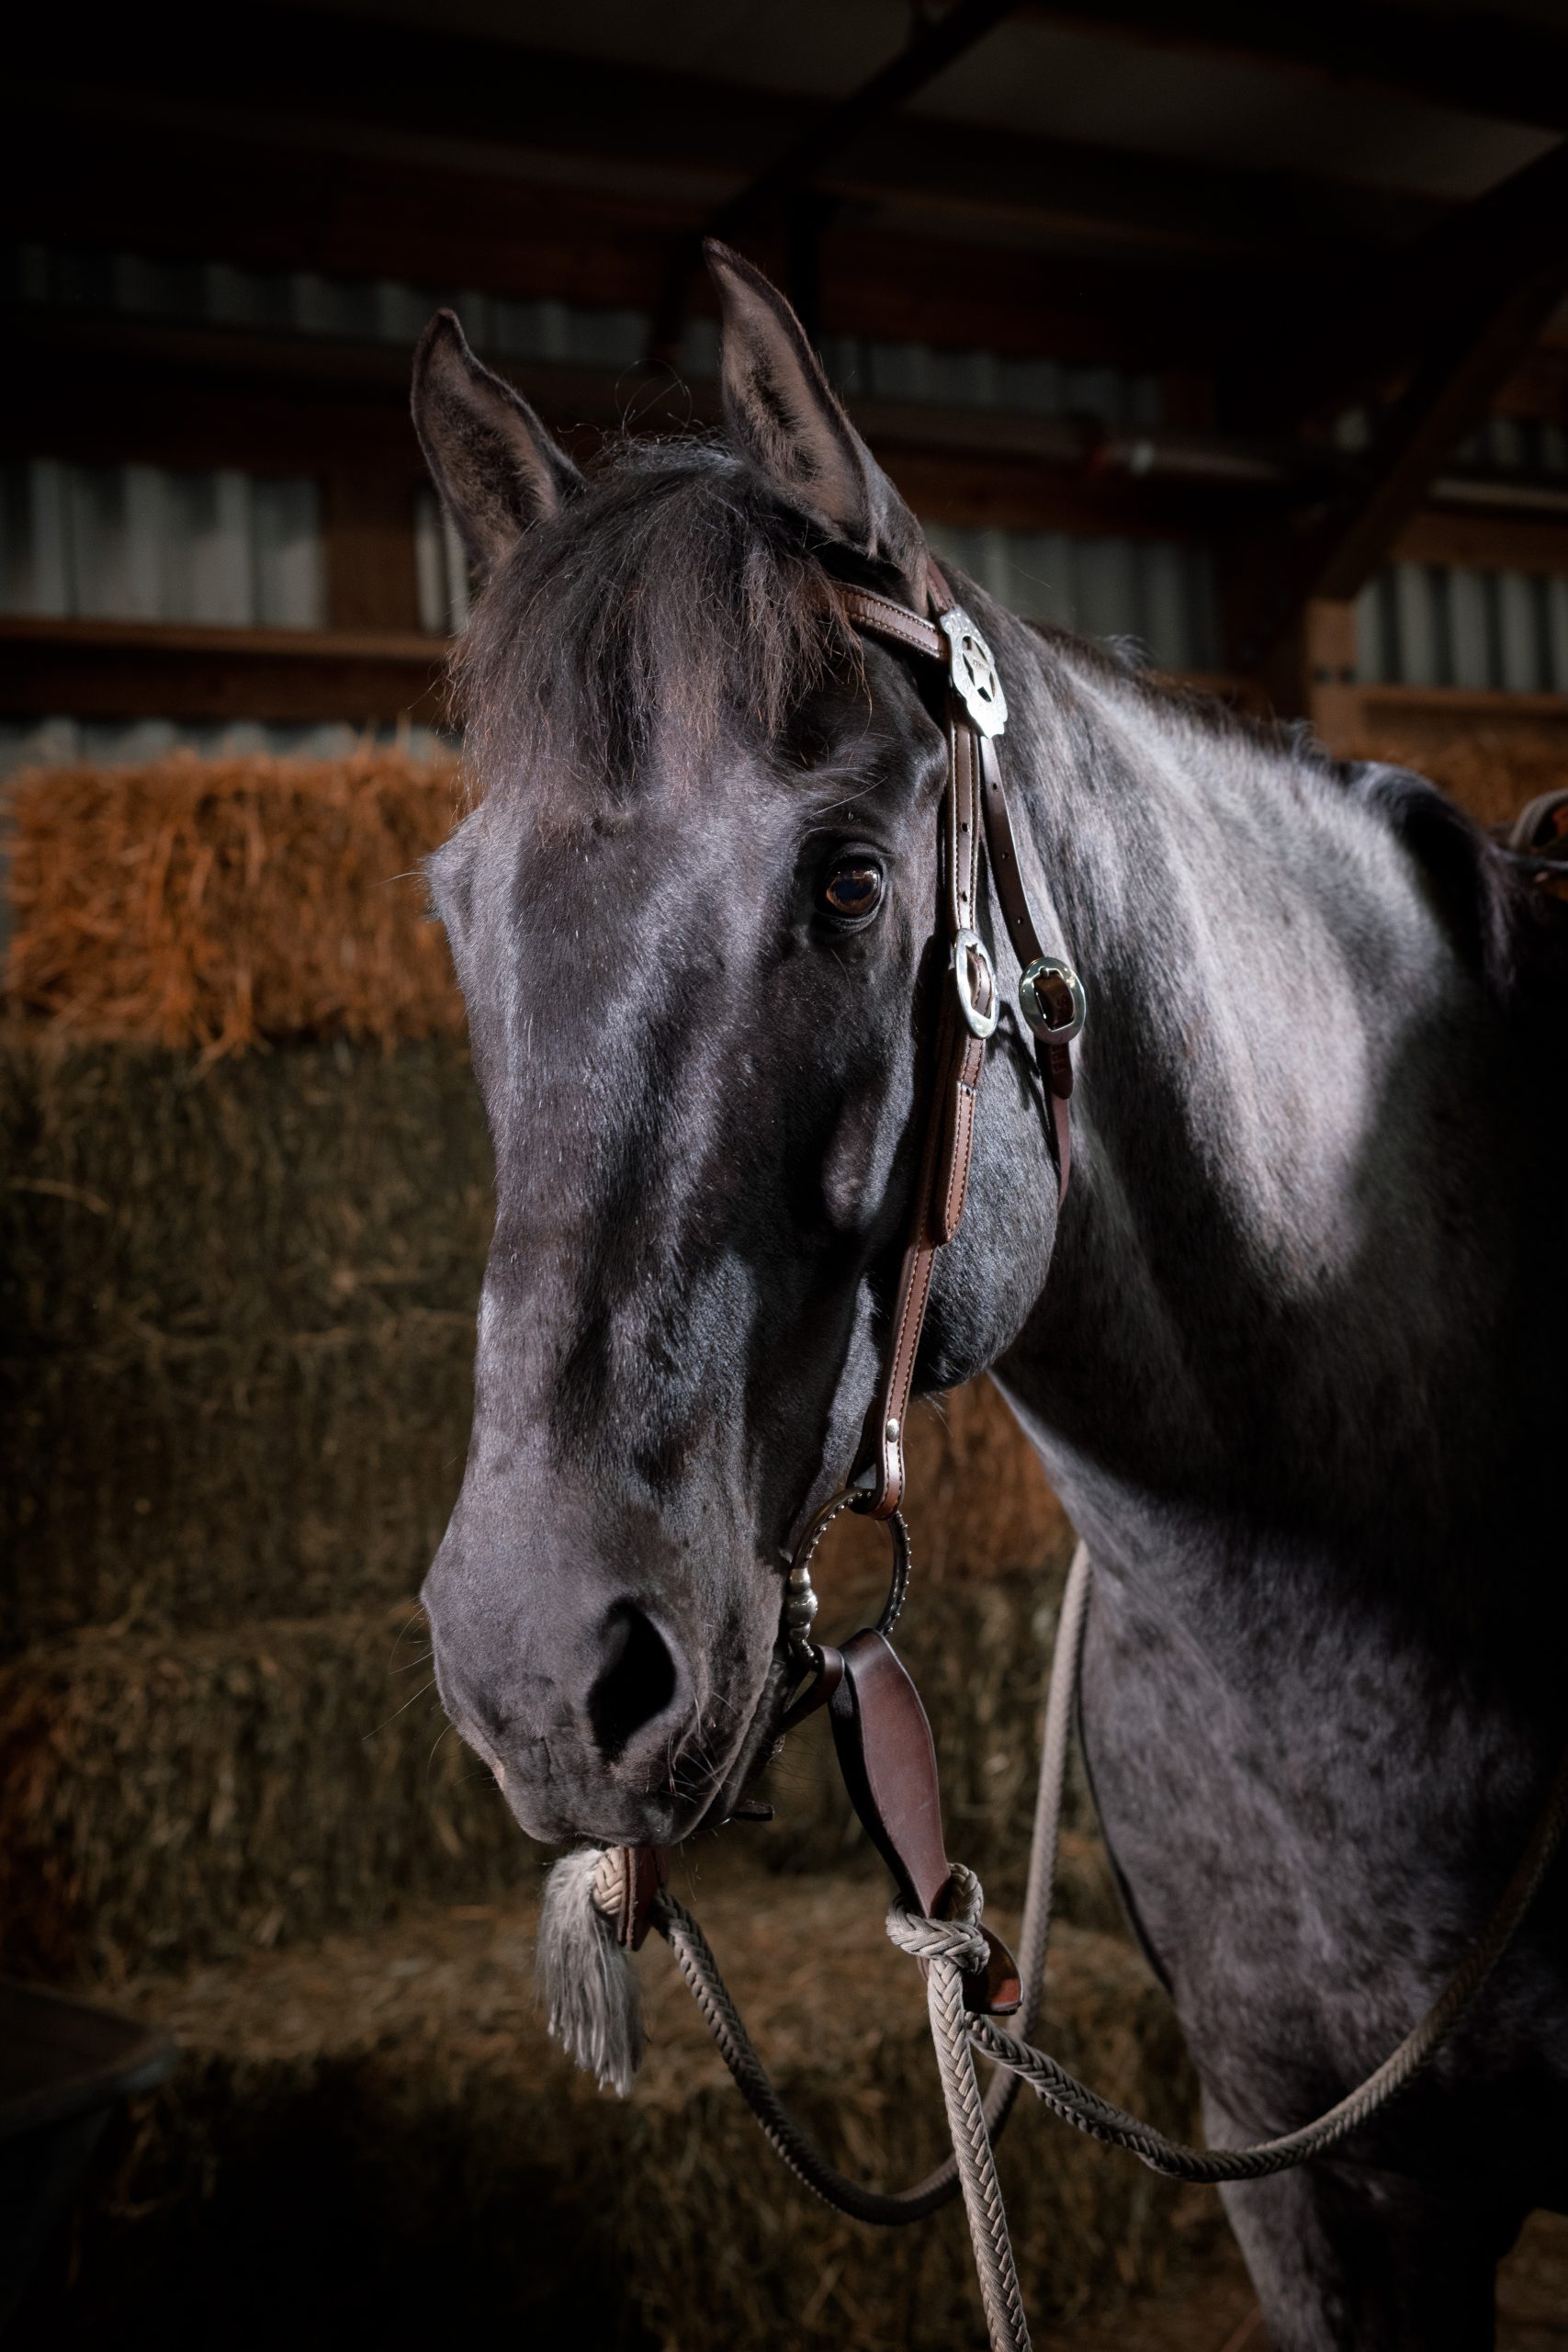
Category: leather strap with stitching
[975,812]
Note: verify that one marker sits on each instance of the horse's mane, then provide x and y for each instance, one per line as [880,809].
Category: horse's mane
[1511,932]
[675,594]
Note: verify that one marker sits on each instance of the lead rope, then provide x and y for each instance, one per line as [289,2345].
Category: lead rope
[952,1947]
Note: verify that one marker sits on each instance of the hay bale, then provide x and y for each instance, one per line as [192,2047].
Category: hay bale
[202,1482]
[292,1192]
[215,902]
[170,1798]
[167,1799]
[239,1309]
[399,2091]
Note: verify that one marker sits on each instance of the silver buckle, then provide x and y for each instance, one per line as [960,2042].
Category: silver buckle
[1036,1010]
[973,669]
[968,946]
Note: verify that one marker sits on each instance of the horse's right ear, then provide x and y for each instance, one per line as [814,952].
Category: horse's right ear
[495,466]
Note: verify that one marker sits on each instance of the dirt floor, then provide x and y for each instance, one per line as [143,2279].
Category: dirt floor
[1215,2310]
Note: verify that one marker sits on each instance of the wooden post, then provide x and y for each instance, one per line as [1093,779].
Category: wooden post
[1333,697]
[1312,673]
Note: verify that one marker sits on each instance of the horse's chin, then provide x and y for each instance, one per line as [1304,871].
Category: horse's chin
[756,1746]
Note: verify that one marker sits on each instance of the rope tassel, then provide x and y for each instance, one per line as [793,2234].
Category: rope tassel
[590,1990]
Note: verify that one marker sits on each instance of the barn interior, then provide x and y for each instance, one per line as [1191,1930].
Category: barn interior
[1238,335]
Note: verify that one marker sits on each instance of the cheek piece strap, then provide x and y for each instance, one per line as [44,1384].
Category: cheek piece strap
[880,1729]
[976,832]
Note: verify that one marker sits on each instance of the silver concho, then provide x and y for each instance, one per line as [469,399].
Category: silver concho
[974,672]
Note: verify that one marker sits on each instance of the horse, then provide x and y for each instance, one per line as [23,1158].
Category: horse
[1292,1349]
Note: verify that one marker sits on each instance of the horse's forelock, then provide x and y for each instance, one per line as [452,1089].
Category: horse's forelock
[674,598]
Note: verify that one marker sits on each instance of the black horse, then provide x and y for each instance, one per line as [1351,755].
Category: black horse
[1293,1352]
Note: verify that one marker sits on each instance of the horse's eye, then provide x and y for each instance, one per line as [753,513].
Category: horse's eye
[851,889]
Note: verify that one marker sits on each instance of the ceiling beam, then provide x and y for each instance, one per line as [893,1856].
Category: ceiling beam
[1508,267]
[273,203]
[1476,60]
[935,45]
[438,102]
[108,390]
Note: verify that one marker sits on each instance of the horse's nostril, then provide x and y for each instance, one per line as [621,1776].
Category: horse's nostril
[638,1682]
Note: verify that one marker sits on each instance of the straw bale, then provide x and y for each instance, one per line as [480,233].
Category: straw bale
[397,2093]
[167,1798]
[297,1191]
[199,1482]
[177,1797]
[1491,771]
[215,902]
[238,1304]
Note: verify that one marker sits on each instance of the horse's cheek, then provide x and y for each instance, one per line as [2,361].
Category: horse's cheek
[857,1164]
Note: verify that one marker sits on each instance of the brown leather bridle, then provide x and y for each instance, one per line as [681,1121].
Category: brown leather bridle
[976,830]
[880,1729]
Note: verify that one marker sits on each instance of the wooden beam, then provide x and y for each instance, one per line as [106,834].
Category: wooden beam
[935,44]
[426,100]
[111,390]
[368,532]
[1510,266]
[1478,60]
[1483,542]
[275,204]
[132,670]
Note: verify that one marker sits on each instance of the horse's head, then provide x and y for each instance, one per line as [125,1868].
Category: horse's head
[692,914]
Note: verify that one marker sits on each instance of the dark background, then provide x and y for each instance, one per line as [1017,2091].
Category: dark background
[1235,330]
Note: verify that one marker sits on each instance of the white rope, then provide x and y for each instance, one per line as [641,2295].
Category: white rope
[951,1947]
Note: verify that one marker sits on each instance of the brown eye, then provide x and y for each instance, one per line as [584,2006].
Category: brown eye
[852,888]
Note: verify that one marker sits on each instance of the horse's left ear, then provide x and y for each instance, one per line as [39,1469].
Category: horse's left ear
[495,466]
[782,414]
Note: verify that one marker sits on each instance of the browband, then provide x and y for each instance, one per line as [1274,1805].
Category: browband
[1050,997]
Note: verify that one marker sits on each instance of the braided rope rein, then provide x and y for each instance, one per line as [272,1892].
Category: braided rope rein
[950,1948]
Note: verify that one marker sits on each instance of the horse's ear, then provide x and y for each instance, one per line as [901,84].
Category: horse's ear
[782,412]
[495,466]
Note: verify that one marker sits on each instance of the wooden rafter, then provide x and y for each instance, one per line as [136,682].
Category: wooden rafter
[129,669]
[1508,267]
[936,44]
[681,148]
[1478,61]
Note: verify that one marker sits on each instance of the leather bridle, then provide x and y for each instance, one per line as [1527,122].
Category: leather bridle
[879,1725]
[976,831]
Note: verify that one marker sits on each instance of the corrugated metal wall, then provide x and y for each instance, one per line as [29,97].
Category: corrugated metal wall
[1158,593]
[108,742]
[146,543]
[1447,625]
[387,310]
[140,543]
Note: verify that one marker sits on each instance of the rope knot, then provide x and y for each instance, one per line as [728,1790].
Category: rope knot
[957,1938]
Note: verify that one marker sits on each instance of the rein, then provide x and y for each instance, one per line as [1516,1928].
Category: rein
[600,1904]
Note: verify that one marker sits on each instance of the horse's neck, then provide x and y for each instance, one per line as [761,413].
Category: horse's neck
[1274,1322]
